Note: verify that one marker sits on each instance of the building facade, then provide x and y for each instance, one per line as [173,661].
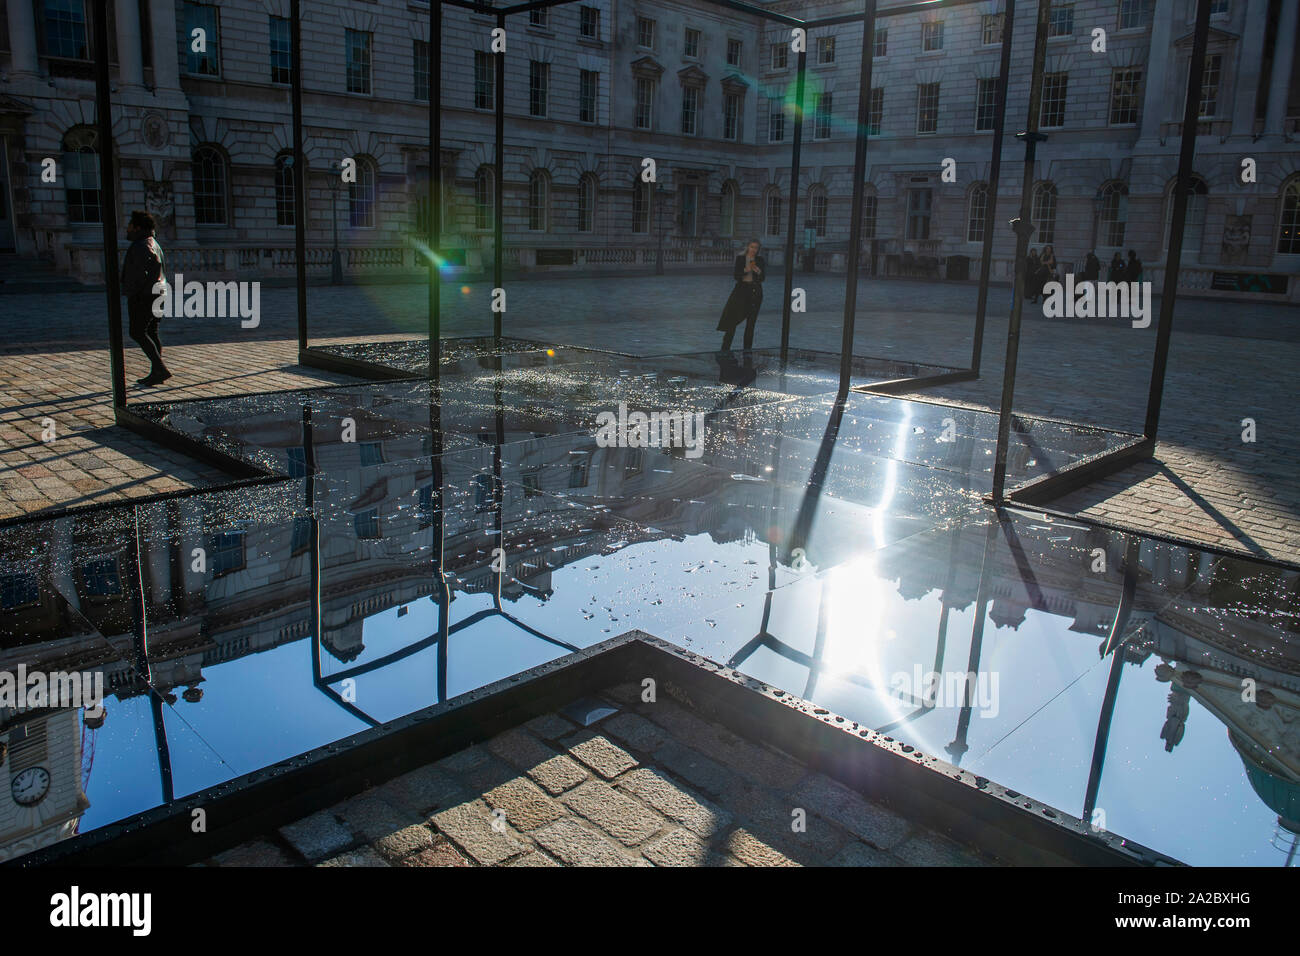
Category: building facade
[593,88]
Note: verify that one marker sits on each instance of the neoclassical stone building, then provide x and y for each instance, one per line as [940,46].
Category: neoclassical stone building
[594,87]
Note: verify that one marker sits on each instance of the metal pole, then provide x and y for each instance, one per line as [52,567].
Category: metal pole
[794,199]
[1024,228]
[499,171]
[108,207]
[1186,156]
[299,170]
[995,174]
[859,188]
[435,184]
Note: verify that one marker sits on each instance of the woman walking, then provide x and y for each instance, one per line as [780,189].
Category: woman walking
[745,299]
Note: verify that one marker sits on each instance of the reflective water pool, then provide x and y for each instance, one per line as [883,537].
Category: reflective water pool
[839,551]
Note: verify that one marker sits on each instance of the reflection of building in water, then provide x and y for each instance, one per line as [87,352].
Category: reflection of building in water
[42,772]
[376,498]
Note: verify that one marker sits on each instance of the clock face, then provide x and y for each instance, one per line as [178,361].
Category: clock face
[30,786]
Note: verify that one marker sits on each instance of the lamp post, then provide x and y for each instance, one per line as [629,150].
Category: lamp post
[336,267]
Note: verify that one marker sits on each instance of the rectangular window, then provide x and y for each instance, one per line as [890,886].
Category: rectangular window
[1124,87]
[201,16]
[65,28]
[532,482]
[588,83]
[991,28]
[880,43]
[690,109]
[484,81]
[226,552]
[366,523]
[1220,8]
[730,116]
[825,49]
[539,18]
[687,204]
[1209,105]
[780,56]
[358,60]
[817,213]
[927,107]
[918,213]
[1052,113]
[691,44]
[776,121]
[589,23]
[1134,14]
[424,506]
[641,208]
[772,217]
[733,52]
[869,216]
[1061,23]
[420,60]
[281,50]
[18,590]
[538,83]
[645,33]
[979,207]
[986,97]
[372,453]
[876,111]
[645,103]
[101,578]
[301,540]
[484,493]
[579,463]
[297,462]
[822,116]
[932,36]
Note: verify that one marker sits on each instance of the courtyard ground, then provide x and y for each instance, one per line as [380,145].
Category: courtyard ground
[1229,362]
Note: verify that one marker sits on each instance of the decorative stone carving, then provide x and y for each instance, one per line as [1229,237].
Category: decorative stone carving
[159,202]
[153,131]
[1236,240]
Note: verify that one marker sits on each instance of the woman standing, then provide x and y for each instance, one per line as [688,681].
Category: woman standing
[745,299]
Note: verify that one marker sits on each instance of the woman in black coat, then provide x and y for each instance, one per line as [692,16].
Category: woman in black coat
[745,299]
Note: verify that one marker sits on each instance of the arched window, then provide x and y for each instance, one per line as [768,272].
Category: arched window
[539,197]
[483,208]
[817,209]
[284,210]
[977,210]
[727,219]
[587,203]
[772,218]
[81,174]
[210,200]
[1288,235]
[640,207]
[1194,226]
[1112,215]
[361,195]
[1044,213]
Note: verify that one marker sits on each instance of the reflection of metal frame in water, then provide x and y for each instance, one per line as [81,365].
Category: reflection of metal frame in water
[442,594]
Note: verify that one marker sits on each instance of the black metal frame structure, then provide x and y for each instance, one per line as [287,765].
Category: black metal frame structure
[1034,492]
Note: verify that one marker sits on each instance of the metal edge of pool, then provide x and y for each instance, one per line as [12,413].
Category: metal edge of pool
[1001,823]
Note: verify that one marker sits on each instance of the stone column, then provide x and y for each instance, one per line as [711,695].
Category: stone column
[22,38]
[166,61]
[1248,72]
[1157,71]
[1279,86]
[130,60]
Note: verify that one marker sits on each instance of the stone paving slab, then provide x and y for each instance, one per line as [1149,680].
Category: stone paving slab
[1229,362]
[640,812]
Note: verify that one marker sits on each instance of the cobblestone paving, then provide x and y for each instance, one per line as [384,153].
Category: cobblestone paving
[653,784]
[1229,362]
